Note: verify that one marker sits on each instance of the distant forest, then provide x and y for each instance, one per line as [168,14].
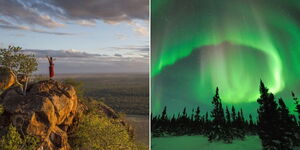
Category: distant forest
[126,93]
[276,126]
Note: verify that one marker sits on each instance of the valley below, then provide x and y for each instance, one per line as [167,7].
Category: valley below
[127,94]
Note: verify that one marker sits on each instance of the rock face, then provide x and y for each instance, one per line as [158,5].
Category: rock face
[47,111]
[6,79]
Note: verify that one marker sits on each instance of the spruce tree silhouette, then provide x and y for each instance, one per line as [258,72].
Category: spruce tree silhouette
[268,120]
[172,125]
[217,131]
[164,114]
[287,126]
[251,125]
[297,103]
[239,126]
[242,125]
[207,125]
[155,127]
[275,126]
[197,125]
[242,116]
[183,122]
[233,114]
[228,125]
[228,118]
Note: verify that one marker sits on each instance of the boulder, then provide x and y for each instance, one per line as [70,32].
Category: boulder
[47,110]
[6,79]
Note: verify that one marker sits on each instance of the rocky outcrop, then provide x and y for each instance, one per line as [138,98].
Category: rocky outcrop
[6,79]
[47,111]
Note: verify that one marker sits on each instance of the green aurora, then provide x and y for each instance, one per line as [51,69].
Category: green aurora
[241,42]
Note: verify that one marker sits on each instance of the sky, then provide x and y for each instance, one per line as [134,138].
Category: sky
[198,45]
[114,32]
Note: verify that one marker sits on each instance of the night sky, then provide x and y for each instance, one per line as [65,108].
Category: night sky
[197,45]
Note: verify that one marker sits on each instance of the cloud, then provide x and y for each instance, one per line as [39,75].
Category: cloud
[121,36]
[130,51]
[49,32]
[59,53]
[27,28]
[57,13]
[4,22]
[86,23]
[20,13]
[140,29]
[17,35]
[41,12]
[118,55]
[106,10]
[140,48]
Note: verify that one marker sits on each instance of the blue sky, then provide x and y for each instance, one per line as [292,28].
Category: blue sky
[111,28]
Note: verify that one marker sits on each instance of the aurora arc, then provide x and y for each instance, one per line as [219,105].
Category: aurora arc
[271,27]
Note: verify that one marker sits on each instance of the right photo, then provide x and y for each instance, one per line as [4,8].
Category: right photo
[225,75]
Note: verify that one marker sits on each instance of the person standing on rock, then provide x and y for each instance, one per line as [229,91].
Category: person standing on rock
[51,67]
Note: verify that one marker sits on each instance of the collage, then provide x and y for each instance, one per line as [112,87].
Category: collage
[149,75]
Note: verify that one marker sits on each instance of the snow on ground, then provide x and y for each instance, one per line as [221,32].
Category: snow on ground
[201,143]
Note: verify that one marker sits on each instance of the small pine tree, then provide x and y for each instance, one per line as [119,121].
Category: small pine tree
[217,131]
[183,121]
[172,124]
[184,114]
[207,124]
[197,122]
[242,116]
[228,118]
[239,126]
[197,115]
[251,125]
[164,114]
[206,117]
[233,114]
[228,126]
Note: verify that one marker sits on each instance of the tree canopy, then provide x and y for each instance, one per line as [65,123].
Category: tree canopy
[20,65]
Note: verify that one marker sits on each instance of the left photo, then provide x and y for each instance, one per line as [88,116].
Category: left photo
[74,74]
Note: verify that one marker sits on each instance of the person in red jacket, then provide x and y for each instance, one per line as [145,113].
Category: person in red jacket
[51,67]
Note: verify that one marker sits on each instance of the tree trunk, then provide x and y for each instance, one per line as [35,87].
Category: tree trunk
[26,84]
[17,81]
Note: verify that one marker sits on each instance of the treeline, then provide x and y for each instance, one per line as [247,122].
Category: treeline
[275,125]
